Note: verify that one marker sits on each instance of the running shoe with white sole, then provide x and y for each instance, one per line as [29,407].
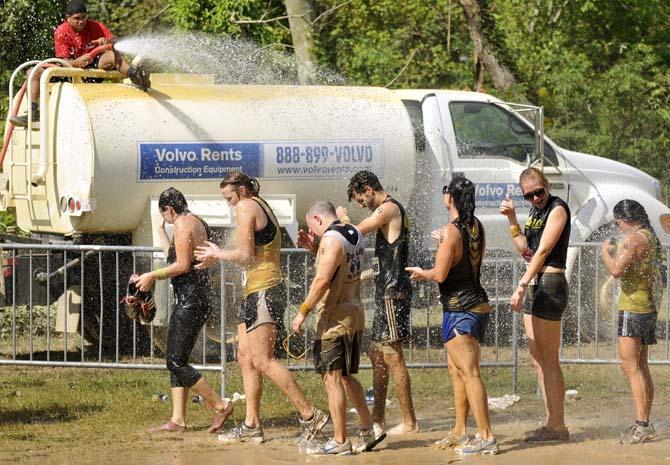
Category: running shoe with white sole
[637,434]
[477,445]
[331,447]
[312,427]
[243,434]
[368,438]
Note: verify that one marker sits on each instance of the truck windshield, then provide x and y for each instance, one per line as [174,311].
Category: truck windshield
[484,130]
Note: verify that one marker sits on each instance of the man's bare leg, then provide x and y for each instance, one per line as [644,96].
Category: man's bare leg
[395,361]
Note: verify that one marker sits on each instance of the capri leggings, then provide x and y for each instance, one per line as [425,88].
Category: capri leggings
[190,313]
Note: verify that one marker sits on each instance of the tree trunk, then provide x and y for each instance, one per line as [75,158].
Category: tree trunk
[301,15]
[501,77]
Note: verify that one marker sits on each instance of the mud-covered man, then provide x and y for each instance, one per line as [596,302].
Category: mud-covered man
[393,295]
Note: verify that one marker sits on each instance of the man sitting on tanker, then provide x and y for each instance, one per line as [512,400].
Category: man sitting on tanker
[74,39]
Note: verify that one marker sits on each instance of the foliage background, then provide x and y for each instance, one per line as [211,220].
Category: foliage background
[599,67]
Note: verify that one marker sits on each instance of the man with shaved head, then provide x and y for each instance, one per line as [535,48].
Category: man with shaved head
[335,294]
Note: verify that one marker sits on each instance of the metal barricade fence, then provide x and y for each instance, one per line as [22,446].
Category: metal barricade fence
[41,278]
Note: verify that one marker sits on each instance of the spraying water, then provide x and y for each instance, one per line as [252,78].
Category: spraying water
[231,61]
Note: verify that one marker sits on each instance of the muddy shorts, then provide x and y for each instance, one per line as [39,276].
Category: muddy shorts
[392,319]
[462,323]
[641,325]
[339,353]
[264,307]
[549,297]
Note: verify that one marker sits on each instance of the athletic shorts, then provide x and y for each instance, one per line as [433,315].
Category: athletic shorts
[461,323]
[641,325]
[264,307]
[392,320]
[549,297]
[340,353]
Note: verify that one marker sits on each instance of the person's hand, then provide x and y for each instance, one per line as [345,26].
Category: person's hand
[435,234]
[307,240]
[527,255]
[296,326]
[207,255]
[83,61]
[507,207]
[341,211]
[145,281]
[101,41]
[609,248]
[517,299]
[415,273]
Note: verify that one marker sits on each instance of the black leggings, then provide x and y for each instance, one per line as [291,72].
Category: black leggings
[190,313]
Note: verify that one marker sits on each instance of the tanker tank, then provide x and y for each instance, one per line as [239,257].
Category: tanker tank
[113,148]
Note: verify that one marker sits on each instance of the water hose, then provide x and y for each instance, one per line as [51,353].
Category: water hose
[19,98]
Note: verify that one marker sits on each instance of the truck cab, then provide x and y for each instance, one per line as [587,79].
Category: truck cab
[491,142]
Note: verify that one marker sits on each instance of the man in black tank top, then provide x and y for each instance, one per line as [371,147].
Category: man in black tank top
[393,294]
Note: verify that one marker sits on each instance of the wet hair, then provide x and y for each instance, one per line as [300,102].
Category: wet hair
[534,174]
[171,197]
[462,191]
[360,181]
[75,7]
[322,208]
[238,178]
[631,211]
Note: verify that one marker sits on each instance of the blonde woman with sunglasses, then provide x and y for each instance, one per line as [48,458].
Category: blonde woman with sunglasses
[543,243]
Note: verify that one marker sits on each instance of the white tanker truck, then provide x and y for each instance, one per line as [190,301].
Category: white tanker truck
[102,153]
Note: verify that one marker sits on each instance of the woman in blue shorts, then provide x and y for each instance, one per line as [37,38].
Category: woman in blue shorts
[466,309]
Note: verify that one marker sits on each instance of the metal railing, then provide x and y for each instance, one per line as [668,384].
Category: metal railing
[40,278]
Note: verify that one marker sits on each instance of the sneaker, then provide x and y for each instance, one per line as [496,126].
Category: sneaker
[22,121]
[310,428]
[331,447]
[637,434]
[369,438]
[141,78]
[477,445]
[544,434]
[243,434]
[452,439]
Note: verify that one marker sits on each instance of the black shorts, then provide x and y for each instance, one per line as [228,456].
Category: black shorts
[340,353]
[549,297]
[392,319]
[264,307]
[640,325]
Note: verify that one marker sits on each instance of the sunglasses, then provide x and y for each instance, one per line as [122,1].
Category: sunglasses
[445,190]
[538,193]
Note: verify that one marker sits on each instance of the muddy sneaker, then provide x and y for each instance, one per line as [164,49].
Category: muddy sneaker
[243,434]
[140,76]
[477,445]
[22,121]
[310,428]
[332,447]
[544,434]
[637,434]
[368,438]
[452,439]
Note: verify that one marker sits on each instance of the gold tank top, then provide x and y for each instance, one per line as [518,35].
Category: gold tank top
[264,271]
[640,281]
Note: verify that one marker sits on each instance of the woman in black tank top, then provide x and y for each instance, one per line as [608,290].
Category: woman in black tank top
[457,264]
[191,308]
[544,245]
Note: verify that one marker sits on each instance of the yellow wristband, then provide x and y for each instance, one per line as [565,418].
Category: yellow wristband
[161,273]
[515,230]
[304,309]
[345,219]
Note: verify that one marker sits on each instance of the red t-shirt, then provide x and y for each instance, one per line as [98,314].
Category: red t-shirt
[70,44]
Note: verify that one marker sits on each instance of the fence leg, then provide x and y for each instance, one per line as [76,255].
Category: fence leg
[222,318]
